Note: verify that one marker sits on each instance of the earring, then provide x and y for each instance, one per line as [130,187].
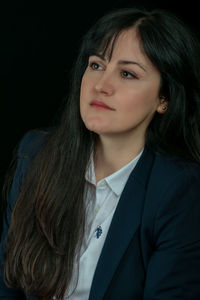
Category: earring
[164,108]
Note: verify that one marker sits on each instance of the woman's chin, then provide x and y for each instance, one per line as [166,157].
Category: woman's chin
[97,128]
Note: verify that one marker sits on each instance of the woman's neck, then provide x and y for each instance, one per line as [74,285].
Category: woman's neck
[111,154]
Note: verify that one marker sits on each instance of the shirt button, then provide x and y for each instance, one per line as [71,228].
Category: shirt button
[103,183]
[97,209]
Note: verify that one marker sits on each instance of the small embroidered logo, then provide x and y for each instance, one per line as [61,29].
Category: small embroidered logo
[98,232]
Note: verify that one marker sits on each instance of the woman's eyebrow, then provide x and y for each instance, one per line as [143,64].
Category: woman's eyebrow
[127,62]
[121,62]
[99,55]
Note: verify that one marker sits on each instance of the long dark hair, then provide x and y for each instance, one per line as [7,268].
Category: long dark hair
[48,220]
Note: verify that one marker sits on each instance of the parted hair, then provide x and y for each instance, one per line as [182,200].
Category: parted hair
[48,220]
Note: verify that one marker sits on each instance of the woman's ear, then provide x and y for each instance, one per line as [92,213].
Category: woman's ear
[162,108]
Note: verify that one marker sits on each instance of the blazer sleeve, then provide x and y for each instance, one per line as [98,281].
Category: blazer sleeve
[27,149]
[174,268]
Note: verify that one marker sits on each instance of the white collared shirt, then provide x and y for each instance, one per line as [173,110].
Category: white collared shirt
[101,199]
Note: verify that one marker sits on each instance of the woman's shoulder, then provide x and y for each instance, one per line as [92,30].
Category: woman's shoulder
[172,166]
[32,141]
[173,181]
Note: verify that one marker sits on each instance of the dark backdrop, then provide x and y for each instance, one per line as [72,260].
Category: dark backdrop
[38,47]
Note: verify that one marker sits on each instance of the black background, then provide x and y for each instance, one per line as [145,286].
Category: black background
[38,46]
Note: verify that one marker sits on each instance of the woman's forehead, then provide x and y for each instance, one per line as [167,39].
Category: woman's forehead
[117,40]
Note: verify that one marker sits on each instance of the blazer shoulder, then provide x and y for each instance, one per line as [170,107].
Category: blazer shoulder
[32,142]
[171,167]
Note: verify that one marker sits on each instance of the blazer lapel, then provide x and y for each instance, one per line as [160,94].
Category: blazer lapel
[124,224]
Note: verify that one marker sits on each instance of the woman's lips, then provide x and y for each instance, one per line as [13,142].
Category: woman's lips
[100,105]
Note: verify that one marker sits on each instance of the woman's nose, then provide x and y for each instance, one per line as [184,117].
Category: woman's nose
[105,84]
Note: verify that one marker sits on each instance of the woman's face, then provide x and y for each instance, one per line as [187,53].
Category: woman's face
[120,95]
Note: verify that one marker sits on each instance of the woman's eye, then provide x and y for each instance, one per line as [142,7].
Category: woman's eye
[126,74]
[95,66]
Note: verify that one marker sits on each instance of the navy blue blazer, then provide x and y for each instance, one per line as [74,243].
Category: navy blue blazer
[152,250]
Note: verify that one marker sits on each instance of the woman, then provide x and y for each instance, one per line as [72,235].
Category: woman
[107,204]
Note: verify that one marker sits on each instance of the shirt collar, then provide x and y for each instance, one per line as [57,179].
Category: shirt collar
[115,181]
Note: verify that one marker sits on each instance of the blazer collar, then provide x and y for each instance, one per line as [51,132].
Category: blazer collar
[124,224]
